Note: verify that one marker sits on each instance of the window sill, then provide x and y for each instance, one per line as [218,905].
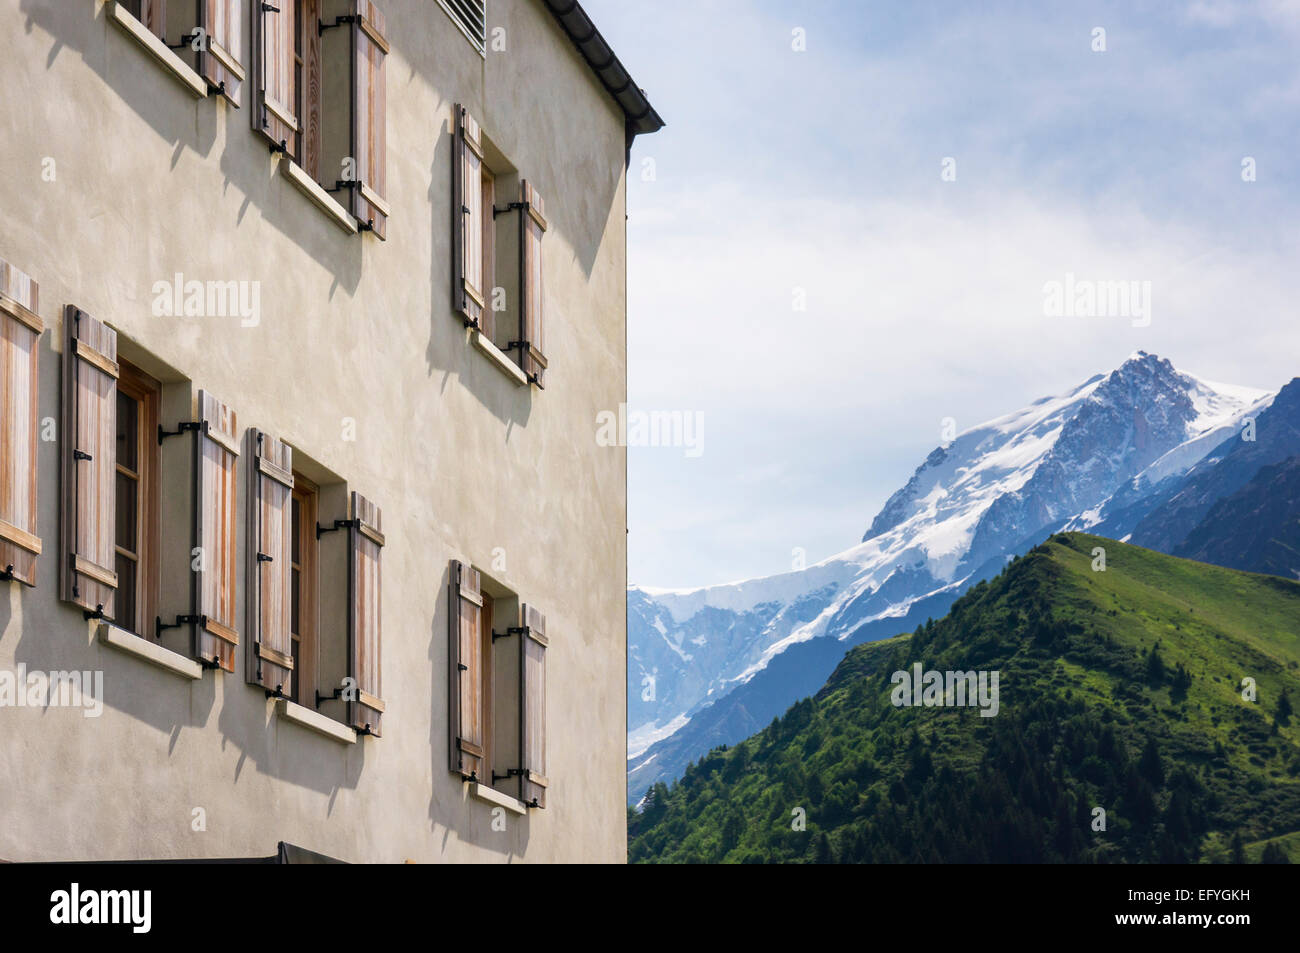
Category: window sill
[498,357]
[315,721]
[192,81]
[496,798]
[319,197]
[142,648]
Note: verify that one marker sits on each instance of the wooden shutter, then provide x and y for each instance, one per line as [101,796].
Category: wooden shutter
[20,334]
[466,674]
[369,116]
[532,226]
[221,63]
[471,218]
[274,28]
[270,564]
[89,450]
[152,13]
[216,454]
[365,544]
[532,709]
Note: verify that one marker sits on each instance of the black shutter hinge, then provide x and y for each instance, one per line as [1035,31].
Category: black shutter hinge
[277,692]
[95,613]
[8,573]
[81,455]
[265,558]
[268,8]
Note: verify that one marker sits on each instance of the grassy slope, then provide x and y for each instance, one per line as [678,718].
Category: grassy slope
[1080,704]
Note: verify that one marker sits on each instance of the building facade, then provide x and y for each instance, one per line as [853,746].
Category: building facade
[307,312]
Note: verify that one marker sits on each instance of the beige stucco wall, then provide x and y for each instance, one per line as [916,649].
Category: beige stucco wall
[151,182]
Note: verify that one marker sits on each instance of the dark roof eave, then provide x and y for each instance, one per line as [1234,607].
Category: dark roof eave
[641,116]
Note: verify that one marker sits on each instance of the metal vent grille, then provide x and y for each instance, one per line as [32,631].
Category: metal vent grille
[471,17]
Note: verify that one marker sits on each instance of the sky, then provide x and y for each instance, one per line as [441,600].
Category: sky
[833,248]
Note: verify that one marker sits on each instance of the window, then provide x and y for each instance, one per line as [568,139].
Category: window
[497,264]
[321,102]
[305,527]
[199,41]
[303,627]
[20,335]
[136,500]
[497,691]
[470,17]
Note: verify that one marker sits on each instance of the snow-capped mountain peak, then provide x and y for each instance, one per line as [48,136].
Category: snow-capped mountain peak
[995,490]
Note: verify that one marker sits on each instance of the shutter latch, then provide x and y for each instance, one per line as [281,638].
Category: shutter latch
[338,21]
[506,209]
[338,525]
[265,558]
[185,426]
[81,455]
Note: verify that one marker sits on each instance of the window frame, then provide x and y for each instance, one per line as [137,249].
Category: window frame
[146,392]
[305,592]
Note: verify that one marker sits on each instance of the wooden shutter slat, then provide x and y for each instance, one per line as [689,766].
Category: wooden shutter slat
[270,587]
[274,28]
[365,541]
[532,226]
[470,219]
[221,64]
[89,452]
[311,77]
[216,458]
[532,709]
[20,334]
[465,653]
[369,116]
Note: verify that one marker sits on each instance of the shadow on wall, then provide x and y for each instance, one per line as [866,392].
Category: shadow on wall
[476,827]
[186,123]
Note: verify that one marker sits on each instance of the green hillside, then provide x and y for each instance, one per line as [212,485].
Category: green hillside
[1118,689]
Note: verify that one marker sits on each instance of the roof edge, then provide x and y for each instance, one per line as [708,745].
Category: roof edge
[642,118]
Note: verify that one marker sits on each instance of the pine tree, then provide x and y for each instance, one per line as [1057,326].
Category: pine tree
[824,854]
[1273,854]
[1155,667]
[1151,766]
